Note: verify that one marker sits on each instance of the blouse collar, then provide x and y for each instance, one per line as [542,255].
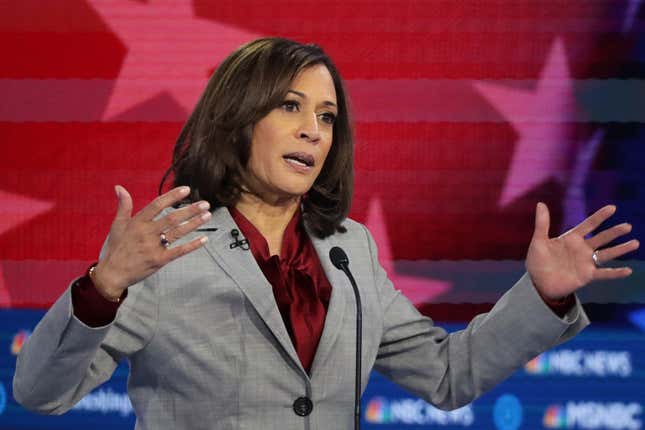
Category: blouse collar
[293,239]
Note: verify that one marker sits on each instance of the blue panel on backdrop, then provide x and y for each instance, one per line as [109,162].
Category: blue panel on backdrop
[595,381]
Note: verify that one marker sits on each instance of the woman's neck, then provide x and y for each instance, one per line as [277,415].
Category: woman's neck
[270,218]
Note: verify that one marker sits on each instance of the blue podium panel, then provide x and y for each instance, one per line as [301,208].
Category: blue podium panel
[107,407]
[595,381]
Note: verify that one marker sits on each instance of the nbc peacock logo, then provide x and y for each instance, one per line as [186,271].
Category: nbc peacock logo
[19,340]
[378,411]
[539,365]
[555,417]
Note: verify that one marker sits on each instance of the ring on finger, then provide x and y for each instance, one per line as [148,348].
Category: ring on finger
[163,240]
[596,260]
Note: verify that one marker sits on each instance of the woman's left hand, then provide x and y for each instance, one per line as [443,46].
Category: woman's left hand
[559,266]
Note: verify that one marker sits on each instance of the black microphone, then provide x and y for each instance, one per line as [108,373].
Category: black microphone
[340,261]
[243,244]
[338,258]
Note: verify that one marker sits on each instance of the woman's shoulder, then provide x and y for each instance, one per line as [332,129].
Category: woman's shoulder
[353,226]
[354,231]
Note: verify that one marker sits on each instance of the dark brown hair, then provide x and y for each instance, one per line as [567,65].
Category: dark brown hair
[213,148]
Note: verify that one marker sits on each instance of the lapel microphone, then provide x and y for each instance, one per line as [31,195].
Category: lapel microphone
[340,261]
[243,243]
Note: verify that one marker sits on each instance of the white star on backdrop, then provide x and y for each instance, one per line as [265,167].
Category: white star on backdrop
[541,118]
[170,50]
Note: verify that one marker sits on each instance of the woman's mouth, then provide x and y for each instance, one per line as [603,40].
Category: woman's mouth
[300,161]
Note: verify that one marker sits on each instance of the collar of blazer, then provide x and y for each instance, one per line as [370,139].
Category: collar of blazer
[240,265]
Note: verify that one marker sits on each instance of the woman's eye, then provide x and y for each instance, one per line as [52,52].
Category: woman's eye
[328,117]
[290,105]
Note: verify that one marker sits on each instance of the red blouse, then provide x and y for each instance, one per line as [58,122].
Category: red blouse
[300,287]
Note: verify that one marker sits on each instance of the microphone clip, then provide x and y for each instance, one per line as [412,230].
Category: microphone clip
[242,243]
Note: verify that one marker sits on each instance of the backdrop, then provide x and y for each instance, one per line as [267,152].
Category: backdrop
[466,114]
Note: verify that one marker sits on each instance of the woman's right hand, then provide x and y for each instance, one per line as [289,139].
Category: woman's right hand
[134,249]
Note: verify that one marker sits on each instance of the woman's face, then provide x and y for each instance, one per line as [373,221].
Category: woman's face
[289,145]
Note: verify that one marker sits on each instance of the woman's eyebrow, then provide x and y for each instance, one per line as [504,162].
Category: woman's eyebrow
[304,96]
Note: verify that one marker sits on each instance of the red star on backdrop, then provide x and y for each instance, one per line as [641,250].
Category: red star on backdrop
[170,51]
[542,119]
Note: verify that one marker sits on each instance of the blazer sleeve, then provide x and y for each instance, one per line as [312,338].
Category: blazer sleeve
[451,370]
[64,359]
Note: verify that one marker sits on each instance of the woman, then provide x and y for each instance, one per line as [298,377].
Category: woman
[228,330]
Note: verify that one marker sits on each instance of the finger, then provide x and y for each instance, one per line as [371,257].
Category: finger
[608,254]
[612,273]
[177,251]
[592,222]
[606,236]
[163,201]
[188,226]
[180,216]
[124,208]
[542,221]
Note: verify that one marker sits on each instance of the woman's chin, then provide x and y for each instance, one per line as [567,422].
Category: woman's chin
[295,194]
[285,194]
[295,189]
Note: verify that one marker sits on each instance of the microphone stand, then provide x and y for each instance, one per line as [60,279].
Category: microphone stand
[340,260]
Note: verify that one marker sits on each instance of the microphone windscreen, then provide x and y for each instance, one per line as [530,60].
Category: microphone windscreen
[338,258]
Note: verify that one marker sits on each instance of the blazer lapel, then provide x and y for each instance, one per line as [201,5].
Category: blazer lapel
[337,303]
[243,269]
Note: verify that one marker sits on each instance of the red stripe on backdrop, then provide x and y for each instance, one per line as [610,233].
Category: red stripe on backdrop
[435,146]
[148,145]
[450,40]
[372,56]
[380,145]
[395,13]
[40,55]
[79,146]
[77,15]
[439,56]
[36,283]
[434,224]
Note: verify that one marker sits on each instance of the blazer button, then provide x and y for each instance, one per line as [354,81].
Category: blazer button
[303,406]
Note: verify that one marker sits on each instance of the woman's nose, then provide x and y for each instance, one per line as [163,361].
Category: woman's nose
[309,128]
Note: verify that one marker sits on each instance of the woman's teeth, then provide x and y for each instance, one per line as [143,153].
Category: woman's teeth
[296,162]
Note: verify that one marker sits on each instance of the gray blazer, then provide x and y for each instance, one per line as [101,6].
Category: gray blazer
[208,348]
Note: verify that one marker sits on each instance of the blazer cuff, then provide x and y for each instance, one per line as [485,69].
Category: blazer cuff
[575,318]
